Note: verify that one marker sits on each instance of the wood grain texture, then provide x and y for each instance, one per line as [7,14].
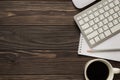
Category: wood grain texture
[41,62]
[39,41]
[42,77]
[37,12]
[39,37]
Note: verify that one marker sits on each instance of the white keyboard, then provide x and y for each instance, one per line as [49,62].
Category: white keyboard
[99,22]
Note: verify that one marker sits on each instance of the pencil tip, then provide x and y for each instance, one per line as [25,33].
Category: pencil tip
[89,50]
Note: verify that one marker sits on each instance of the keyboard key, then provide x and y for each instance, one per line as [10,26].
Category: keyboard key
[89,12]
[106,8]
[111,11]
[102,36]
[95,27]
[91,22]
[100,30]
[119,19]
[101,17]
[115,22]
[101,11]
[86,19]
[107,33]
[100,24]
[110,18]
[94,9]
[105,21]
[105,3]
[116,8]
[116,2]
[96,13]
[91,16]
[85,26]
[81,22]
[93,34]
[106,14]
[96,20]
[110,24]
[97,39]
[78,18]
[115,28]
[84,15]
[99,6]
[110,0]
[119,13]
[88,31]
[105,27]
[111,5]
[92,41]
[115,15]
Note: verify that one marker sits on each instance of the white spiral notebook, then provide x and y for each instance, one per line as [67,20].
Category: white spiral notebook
[112,43]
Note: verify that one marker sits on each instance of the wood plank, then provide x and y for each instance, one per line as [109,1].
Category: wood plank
[41,77]
[37,67]
[46,77]
[39,37]
[44,55]
[44,12]
[42,62]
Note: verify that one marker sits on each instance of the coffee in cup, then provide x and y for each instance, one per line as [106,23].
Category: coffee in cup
[99,69]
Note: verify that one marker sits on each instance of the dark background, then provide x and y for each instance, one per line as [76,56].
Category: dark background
[39,41]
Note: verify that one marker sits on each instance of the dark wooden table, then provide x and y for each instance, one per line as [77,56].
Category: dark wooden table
[43,40]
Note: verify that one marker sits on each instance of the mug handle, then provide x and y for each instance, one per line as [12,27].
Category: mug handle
[116,70]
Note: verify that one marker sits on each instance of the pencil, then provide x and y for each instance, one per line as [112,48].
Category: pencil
[107,50]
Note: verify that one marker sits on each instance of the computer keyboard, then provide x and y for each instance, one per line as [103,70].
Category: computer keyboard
[99,22]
